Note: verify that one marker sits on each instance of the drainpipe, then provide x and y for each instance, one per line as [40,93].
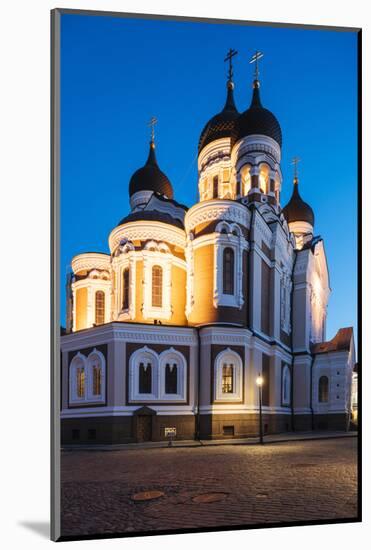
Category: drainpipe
[311,391]
[198,383]
[292,344]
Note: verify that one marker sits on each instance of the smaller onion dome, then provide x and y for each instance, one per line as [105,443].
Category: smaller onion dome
[150,177]
[222,124]
[296,210]
[257,120]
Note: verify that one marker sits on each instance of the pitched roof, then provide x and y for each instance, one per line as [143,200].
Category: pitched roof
[341,341]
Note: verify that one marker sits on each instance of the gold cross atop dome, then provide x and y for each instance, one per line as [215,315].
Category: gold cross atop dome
[295,161]
[231,53]
[255,59]
[152,124]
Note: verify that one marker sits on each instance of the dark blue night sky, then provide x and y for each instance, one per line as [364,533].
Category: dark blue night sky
[116,73]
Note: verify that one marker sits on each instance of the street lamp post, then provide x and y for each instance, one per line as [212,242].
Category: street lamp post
[259,383]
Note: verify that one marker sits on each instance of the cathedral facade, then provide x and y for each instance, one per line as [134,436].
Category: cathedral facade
[169,330]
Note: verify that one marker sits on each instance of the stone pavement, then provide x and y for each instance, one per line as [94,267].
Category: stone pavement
[208,486]
[275,438]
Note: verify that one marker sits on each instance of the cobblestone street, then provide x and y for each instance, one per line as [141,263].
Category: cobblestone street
[302,480]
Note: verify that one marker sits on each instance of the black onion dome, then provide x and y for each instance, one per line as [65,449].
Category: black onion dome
[296,210]
[222,124]
[257,120]
[150,177]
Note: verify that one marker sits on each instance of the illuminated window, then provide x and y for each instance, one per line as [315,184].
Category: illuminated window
[171,378]
[97,380]
[264,178]
[80,382]
[323,389]
[215,187]
[227,378]
[228,271]
[125,289]
[246,179]
[156,286]
[145,378]
[99,307]
[204,189]
[226,175]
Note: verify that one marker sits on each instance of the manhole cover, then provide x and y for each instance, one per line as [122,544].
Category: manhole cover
[206,498]
[147,495]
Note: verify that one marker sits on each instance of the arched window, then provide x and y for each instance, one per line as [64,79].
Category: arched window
[227,378]
[99,307]
[228,271]
[125,289]
[143,375]
[156,286]
[80,382]
[323,389]
[97,380]
[264,178]
[215,187]
[78,379]
[172,375]
[171,378]
[286,385]
[145,378]
[246,179]
[87,377]
[96,373]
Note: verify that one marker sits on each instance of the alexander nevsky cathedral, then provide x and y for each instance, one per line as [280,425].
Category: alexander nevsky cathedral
[169,331]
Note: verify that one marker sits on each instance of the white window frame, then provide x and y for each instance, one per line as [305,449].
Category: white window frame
[172,356]
[125,258]
[238,244]
[228,357]
[143,355]
[163,259]
[80,360]
[96,358]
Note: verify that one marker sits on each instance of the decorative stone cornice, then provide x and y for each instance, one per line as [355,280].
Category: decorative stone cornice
[142,230]
[226,338]
[89,261]
[218,149]
[217,209]
[256,144]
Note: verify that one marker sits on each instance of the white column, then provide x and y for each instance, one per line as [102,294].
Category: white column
[90,309]
[255,289]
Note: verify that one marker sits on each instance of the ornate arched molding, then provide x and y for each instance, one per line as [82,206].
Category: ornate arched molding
[211,210]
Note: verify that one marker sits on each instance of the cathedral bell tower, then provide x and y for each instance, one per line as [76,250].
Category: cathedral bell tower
[216,227]
[256,143]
